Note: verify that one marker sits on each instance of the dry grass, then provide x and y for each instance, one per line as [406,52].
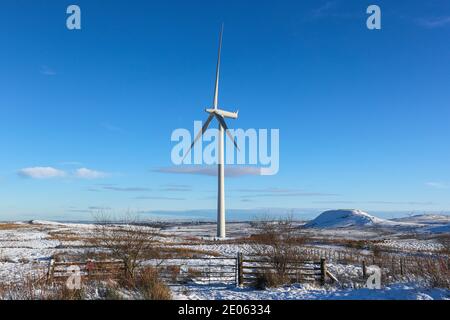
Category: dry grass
[12,226]
[149,285]
[172,271]
[146,285]
[125,241]
[270,279]
[193,273]
[445,242]
[434,270]
[277,243]
[66,236]
[36,288]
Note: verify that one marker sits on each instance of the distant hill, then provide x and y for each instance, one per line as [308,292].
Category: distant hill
[428,219]
[344,218]
[432,223]
[354,219]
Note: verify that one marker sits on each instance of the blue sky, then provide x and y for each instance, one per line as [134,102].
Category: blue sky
[363,115]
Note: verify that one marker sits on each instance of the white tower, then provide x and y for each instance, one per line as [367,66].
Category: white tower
[220,115]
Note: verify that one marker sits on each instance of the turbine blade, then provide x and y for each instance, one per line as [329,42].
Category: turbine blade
[224,125]
[205,126]
[216,89]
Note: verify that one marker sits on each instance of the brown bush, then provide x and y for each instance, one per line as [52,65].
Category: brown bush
[445,242]
[193,273]
[125,241]
[435,270]
[279,245]
[150,286]
[270,279]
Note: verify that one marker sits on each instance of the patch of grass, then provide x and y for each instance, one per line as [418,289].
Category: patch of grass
[150,286]
[63,293]
[270,279]
[65,237]
[11,226]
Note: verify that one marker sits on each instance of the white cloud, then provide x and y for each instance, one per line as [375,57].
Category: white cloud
[50,172]
[324,9]
[85,173]
[112,127]
[41,173]
[434,22]
[47,71]
[436,185]
[230,171]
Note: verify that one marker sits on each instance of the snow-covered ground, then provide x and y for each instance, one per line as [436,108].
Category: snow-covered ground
[429,246]
[400,291]
[26,248]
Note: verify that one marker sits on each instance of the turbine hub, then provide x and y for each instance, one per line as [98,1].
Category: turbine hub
[223,113]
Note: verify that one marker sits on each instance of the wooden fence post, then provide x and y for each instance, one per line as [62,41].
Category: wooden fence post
[323,271]
[51,270]
[364,269]
[401,266]
[240,269]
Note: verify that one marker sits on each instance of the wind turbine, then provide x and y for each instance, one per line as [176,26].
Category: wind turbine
[220,115]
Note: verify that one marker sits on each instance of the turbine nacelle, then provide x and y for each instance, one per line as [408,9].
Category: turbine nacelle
[223,113]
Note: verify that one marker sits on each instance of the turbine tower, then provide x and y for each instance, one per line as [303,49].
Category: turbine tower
[220,115]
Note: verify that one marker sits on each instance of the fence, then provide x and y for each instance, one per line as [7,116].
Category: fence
[250,268]
[199,270]
[91,270]
[240,270]
[395,264]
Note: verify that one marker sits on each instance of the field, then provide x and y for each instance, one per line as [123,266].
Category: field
[192,264]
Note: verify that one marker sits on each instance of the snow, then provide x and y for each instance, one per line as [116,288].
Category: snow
[27,249]
[352,219]
[399,291]
[62,224]
[439,229]
[343,219]
[228,250]
[428,223]
[412,245]
[430,219]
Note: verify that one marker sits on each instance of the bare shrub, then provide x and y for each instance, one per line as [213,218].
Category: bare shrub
[432,270]
[125,241]
[436,271]
[445,242]
[277,244]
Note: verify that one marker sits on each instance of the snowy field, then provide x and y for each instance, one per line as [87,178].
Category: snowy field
[401,291]
[26,248]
